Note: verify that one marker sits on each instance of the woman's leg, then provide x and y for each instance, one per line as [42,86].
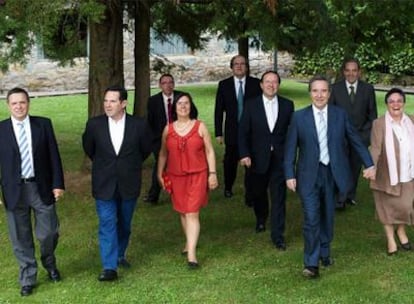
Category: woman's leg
[389,233]
[192,233]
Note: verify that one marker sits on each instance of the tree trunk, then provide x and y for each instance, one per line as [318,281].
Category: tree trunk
[106,55]
[243,46]
[142,58]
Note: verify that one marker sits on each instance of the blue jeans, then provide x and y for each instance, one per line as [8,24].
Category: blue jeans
[115,218]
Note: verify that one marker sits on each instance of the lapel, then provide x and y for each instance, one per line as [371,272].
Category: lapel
[261,112]
[35,130]
[332,122]
[107,134]
[232,89]
[126,134]
[11,136]
[309,124]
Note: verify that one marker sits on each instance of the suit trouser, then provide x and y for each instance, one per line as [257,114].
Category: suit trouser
[46,229]
[274,182]
[230,163]
[115,218]
[318,206]
[154,191]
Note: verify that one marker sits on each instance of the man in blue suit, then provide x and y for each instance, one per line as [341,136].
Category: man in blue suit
[318,135]
[262,134]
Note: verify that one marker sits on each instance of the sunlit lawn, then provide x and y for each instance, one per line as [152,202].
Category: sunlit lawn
[238,266]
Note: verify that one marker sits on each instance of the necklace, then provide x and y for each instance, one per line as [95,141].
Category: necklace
[183,126]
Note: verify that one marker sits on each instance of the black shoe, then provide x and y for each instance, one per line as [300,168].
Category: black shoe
[108,275]
[260,228]
[151,199]
[193,265]
[351,202]
[340,206]
[327,261]
[54,275]
[122,262]
[281,246]
[407,246]
[26,290]
[228,193]
[249,203]
[310,272]
[391,253]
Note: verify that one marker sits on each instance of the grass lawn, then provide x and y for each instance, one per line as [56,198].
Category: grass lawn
[237,265]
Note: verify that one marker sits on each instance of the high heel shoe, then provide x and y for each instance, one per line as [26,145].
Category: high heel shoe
[391,253]
[193,265]
[406,246]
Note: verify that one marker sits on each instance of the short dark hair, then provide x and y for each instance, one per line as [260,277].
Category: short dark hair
[318,78]
[193,108]
[271,72]
[123,93]
[392,91]
[18,90]
[348,60]
[165,75]
[234,58]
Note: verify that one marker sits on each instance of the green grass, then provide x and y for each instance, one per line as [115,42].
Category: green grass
[238,266]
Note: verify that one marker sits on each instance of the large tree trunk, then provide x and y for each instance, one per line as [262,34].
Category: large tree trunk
[106,55]
[243,47]
[142,58]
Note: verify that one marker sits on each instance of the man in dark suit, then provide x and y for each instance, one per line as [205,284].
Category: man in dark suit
[318,135]
[158,115]
[262,135]
[357,98]
[31,180]
[117,143]
[231,96]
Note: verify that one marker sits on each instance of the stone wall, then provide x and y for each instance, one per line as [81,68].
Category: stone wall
[211,64]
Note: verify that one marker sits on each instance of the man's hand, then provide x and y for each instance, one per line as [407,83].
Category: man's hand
[58,193]
[246,161]
[369,173]
[291,184]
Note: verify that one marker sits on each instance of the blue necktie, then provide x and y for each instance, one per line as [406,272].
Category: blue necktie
[323,140]
[240,98]
[24,152]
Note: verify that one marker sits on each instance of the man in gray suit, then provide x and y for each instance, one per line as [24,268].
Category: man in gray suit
[31,181]
[357,98]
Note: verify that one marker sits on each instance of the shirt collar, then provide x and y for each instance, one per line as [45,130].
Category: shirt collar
[355,85]
[16,122]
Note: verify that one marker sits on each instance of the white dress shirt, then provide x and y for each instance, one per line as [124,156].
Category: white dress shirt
[116,131]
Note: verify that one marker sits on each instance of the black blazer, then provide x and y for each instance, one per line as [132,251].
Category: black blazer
[110,170]
[364,109]
[226,103]
[46,160]
[255,138]
[156,117]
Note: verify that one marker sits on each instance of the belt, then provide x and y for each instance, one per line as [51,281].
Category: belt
[27,180]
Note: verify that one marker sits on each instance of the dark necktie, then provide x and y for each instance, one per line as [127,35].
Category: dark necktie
[169,108]
[240,98]
[352,93]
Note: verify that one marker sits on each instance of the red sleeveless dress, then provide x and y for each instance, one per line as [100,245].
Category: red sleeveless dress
[187,169]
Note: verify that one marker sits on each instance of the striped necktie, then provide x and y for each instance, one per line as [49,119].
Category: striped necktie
[323,140]
[26,165]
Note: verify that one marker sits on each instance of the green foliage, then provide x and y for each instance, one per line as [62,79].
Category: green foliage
[402,60]
[60,27]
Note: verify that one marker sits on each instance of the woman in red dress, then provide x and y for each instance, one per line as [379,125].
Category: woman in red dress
[187,169]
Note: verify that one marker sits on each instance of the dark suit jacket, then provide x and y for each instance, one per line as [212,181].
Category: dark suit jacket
[255,138]
[110,170]
[226,103]
[46,160]
[303,136]
[362,112]
[156,117]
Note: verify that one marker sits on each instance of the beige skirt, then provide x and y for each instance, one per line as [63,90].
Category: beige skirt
[395,209]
